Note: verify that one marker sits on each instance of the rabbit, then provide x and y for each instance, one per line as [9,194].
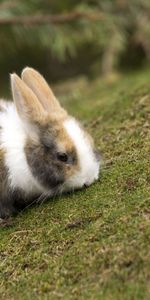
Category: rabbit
[43,150]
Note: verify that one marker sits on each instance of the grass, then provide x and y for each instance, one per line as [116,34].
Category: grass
[93,244]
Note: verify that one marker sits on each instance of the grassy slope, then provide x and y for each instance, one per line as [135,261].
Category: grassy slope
[93,244]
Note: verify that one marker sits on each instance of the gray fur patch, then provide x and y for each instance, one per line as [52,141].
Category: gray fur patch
[6,202]
[44,165]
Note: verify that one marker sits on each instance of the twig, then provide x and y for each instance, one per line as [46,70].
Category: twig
[7,5]
[47,19]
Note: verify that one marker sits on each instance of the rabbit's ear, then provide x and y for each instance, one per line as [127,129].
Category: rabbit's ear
[27,104]
[41,89]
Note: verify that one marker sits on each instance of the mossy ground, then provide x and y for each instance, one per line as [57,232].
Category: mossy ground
[95,243]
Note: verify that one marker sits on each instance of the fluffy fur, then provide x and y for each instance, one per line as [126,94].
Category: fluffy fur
[13,138]
[89,166]
[43,151]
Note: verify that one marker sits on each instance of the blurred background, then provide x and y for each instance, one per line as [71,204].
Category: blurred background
[73,38]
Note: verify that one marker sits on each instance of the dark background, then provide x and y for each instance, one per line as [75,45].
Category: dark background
[90,38]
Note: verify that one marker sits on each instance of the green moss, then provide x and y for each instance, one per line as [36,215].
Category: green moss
[93,244]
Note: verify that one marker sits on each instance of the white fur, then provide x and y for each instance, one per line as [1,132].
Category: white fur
[89,166]
[12,140]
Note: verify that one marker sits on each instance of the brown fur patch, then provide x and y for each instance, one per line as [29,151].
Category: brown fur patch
[42,156]
[64,144]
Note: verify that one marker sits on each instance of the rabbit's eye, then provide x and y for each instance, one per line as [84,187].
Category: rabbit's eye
[62,157]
